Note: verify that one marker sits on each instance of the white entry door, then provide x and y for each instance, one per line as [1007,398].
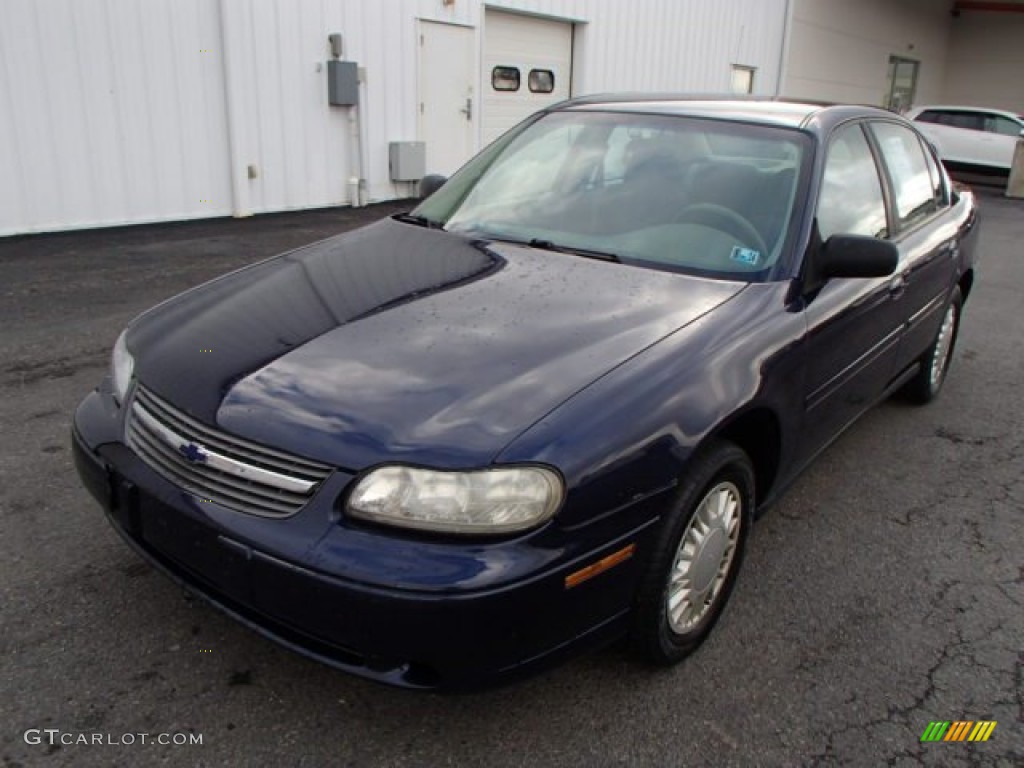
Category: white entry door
[527,66]
[447,102]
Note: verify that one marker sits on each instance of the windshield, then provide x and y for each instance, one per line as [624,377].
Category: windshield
[707,197]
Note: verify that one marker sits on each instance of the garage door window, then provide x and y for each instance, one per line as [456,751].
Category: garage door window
[541,81]
[505,78]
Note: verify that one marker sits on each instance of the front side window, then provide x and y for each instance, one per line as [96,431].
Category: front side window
[702,196]
[912,184]
[969,121]
[851,201]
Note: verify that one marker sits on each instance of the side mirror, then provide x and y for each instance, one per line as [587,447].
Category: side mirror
[431,183]
[855,256]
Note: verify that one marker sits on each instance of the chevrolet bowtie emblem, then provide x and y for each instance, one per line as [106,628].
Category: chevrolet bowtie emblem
[193,453]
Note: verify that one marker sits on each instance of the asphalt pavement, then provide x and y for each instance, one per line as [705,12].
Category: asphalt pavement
[885,591]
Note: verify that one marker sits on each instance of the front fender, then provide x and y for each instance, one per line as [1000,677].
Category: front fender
[630,434]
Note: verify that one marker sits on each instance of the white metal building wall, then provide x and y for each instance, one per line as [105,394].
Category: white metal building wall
[839,50]
[111,111]
[986,61]
[121,111]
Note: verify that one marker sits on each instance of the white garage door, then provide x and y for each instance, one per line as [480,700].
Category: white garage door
[527,65]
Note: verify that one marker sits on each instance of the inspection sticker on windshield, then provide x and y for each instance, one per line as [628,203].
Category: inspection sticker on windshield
[747,256]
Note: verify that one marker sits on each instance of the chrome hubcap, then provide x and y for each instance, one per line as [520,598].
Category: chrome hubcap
[943,346]
[704,557]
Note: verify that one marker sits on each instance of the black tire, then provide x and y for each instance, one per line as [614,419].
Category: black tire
[928,381]
[720,467]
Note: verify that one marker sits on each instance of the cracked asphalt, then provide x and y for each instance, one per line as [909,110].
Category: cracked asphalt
[884,591]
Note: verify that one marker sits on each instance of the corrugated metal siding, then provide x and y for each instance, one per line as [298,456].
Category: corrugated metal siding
[110,112]
[526,43]
[671,45]
[117,111]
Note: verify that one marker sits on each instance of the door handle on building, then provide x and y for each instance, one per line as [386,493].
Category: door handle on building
[468,109]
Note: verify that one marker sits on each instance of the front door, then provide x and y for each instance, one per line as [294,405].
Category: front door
[854,324]
[447,106]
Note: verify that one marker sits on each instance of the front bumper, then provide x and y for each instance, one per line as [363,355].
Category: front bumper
[410,612]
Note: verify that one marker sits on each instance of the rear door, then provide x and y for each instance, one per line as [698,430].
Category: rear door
[925,232]
[955,133]
[854,325]
[1004,133]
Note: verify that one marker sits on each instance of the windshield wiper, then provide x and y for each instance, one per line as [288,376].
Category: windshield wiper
[547,245]
[420,221]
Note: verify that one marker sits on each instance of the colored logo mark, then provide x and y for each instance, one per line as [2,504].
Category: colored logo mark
[959,730]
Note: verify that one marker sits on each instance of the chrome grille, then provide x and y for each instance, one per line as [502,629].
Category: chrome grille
[225,469]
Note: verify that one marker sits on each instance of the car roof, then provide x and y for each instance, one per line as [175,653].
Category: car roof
[966,108]
[753,109]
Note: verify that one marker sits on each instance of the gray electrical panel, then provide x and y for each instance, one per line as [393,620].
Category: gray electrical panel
[342,83]
[408,160]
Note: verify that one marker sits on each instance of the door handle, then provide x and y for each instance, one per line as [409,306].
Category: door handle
[468,109]
[898,285]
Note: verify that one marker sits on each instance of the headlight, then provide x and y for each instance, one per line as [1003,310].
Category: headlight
[486,502]
[121,367]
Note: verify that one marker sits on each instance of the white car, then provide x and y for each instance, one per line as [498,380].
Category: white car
[971,138]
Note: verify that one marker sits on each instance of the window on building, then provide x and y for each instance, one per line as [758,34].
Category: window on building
[541,81]
[742,79]
[851,201]
[505,78]
[904,157]
[902,84]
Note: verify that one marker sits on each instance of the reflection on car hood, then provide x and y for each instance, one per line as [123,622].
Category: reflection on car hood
[396,343]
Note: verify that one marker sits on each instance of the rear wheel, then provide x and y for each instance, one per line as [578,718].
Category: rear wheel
[928,381]
[697,557]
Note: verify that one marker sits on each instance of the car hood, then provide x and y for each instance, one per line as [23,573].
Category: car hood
[398,343]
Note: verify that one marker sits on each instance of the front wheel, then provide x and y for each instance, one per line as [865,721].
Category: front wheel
[697,556]
[934,363]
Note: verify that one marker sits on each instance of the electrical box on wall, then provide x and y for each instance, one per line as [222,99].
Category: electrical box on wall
[408,160]
[342,83]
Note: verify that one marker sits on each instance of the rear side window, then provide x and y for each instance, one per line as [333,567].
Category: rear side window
[928,116]
[938,186]
[851,201]
[911,181]
[1004,126]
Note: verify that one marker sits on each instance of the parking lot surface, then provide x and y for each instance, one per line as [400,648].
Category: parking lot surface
[885,591]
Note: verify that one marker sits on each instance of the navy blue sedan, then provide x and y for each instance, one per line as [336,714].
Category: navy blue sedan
[540,411]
